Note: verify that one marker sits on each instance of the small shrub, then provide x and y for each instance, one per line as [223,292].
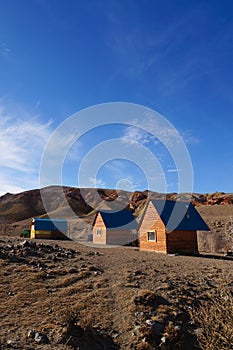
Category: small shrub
[70,319]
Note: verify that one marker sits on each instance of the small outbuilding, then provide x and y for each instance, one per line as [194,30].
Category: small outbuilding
[170,227]
[115,227]
[48,228]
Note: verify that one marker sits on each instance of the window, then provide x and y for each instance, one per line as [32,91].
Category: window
[99,232]
[152,236]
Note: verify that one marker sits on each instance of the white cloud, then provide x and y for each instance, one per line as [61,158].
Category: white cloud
[10,184]
[133,134]
[74,153]
[189,139]
[96,182]
[21,143]
[6,187]
[117,166]
[119,172]
[22,139]
[174,170]
[158,133]
[128,184]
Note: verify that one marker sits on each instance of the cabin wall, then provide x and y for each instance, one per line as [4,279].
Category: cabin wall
[32,232]
[120,237]
[99,224]
[152,221]
[182,241]
[43,234]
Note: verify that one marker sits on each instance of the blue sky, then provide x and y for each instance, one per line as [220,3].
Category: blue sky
[59,57]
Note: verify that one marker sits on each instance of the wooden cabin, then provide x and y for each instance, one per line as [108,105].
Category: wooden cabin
[115,227]
[170,227]
[45,228]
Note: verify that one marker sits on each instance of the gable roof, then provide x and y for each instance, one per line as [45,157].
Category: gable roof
[178,215]
[45,224]
[120,220]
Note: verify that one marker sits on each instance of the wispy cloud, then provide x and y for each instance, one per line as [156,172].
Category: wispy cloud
[167,145]
[96,182]
[174,170]
[5,50]
[132,135]
[75,151]
[128,184]
[10,183]
[165,135]
[122,175]
[188,138]
[22,139]
[136,134]
[146,54]
[37,104]
[139,52]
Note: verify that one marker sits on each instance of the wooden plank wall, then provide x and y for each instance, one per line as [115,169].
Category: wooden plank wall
[152,221]
[47,234]
[119,237]
[182,241]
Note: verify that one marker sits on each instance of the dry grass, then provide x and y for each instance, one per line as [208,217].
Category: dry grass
[215,321]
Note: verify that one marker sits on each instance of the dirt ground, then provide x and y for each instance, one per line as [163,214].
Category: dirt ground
[64,295]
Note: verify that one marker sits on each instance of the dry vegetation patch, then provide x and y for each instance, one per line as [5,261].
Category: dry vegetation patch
[214,318]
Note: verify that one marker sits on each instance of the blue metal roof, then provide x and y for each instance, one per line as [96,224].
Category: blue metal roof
[178,215]
[45,224]
[121,220]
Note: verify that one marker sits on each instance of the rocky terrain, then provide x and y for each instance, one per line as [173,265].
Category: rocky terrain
[80,205]
[63,295]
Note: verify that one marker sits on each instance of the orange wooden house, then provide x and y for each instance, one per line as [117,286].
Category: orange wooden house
[170,227]
[114,227]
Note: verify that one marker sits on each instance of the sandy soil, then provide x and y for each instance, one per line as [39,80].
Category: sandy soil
[79,297]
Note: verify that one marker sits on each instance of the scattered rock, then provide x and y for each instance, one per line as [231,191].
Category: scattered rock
[25,244]
[41,338]
[31,333]
[163,341]
[156,326]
